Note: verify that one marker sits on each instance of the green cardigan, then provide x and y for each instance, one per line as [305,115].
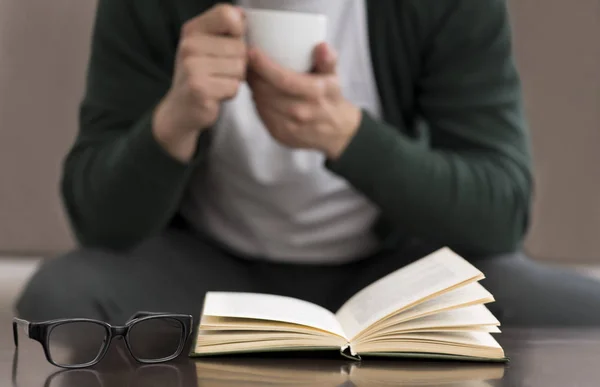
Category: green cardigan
[449,164]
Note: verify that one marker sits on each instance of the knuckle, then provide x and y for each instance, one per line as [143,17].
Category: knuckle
[212,107]
[301,113]
[233,89]
[207,107]
[186,48]
[332,86]
[188,65]
[223,8]
[227,13]
[319,90]
[290,127]
[321,101]
[198,87]
[333,83]
[287,82]
[236,48]
[187,28]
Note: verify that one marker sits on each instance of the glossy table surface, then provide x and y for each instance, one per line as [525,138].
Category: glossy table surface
[539,357]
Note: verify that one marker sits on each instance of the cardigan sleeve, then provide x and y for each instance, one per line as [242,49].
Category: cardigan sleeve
[469,188]
[119,185]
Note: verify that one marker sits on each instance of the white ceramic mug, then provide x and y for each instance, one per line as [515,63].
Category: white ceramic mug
[289,38]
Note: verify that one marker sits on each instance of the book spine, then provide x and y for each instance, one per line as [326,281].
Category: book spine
[346,351]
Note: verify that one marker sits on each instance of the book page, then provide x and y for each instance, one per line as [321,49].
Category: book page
[462,317]
[435,273]
[227,324]
[272,308]
[475,339]
[470,294]
[417,341]
[471,344]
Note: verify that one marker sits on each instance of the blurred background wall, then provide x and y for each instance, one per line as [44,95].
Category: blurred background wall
[558,49]
[43,54]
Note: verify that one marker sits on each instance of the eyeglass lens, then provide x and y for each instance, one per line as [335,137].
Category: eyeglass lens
[155,339]
[79,343]
[76,343]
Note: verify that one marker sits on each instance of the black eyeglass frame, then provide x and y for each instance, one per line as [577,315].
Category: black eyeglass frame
[40,332]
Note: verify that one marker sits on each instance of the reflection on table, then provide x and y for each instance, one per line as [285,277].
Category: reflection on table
[244,372]
[119,369]
[142,376]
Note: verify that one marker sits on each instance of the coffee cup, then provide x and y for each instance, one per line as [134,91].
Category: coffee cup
[288,38]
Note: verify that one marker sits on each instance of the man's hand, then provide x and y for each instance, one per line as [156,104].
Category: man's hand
[209,67]
[304,110]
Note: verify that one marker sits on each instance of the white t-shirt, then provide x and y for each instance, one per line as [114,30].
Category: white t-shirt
[267,201]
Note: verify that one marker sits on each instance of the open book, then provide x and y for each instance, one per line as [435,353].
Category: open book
[431,308]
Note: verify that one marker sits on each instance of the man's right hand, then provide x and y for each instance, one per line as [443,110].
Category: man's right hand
[209,68]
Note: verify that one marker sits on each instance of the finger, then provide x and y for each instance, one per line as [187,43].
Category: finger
[292,108]
[234,68]
[285,80]
[325,59]
[224,88]
[264,94]
[217,46]
[225,47]
[222,19]
[216,88]
[228,67]
[278,125]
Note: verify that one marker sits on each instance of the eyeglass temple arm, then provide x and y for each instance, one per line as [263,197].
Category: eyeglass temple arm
[144,314]
[20,323]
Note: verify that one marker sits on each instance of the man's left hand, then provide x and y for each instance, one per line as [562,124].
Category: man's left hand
[304,111]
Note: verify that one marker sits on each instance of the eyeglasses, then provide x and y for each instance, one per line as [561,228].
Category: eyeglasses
[79,343]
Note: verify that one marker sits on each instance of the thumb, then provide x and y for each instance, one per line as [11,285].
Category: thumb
[325,59]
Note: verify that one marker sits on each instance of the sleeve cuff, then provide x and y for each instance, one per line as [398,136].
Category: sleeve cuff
[149,157]
[366,153]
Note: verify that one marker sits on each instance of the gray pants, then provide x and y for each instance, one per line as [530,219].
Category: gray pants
[172,272]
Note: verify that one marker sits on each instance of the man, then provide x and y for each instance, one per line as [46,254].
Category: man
[203,165]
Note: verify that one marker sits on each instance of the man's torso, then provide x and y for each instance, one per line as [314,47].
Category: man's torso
[264,200]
